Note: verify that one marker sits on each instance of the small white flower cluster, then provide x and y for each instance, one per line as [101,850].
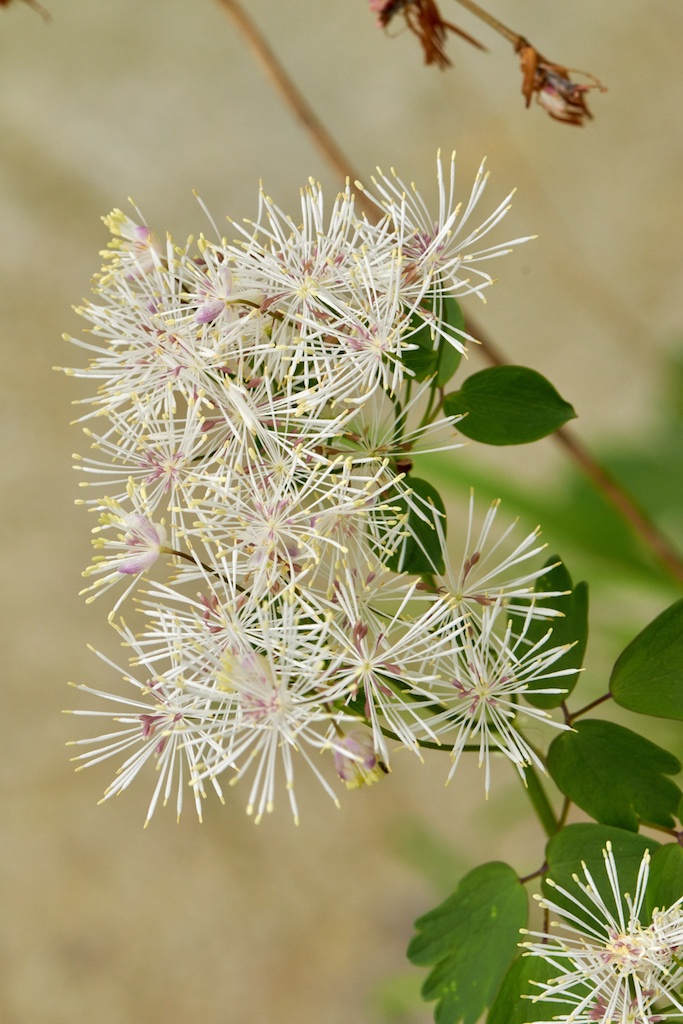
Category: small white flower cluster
[610,964]
[254,425]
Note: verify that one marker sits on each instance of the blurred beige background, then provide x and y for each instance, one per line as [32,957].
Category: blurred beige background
[227,923]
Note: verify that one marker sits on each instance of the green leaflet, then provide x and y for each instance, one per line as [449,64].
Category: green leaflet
[508,405]
[421,551]
[648,674]
[570,628]
[615,775]
[665,885]
[512,1005]
[470,940]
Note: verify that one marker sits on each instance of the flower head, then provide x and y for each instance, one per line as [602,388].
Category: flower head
[612,965]
[496,569]
[555,91]
[155,725]
[135,546]
[482,685]
[440,252]
[256,407]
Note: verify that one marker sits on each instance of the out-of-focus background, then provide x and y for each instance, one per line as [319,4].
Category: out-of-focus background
[226,923]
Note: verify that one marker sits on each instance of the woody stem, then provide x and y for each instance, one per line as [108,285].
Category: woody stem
[293,98]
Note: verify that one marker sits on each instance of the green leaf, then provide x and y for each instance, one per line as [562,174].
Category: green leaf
[434,355]
[421,551]
[508,405]
[665,884]
[570,628]
[583,844]
[512,1005]
[648,674]
[470,939]
[615,775]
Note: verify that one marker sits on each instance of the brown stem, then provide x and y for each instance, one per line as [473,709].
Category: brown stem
[662,828]
[295,100]
[193,561]
[538,873]
[497,26]
[589,707]
[624,503]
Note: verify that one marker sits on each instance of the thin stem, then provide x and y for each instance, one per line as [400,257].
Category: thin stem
[193,561]
[624,503]
[589,707]
[471,748]
[497,26]
[564,813]
[540,802]
[538,873]
[610,488]
[294,99]
[662,828]
[339,161]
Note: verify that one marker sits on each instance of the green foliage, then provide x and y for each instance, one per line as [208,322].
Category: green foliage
[665,884]
[582,844]
[512,1005]
[470,939]
[508,405]
[421,551]
[615,775]
[570,628]
[432,358]
[648,675]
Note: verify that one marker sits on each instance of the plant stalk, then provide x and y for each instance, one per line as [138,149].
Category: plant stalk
[497,26]
[295,99]
[540,802]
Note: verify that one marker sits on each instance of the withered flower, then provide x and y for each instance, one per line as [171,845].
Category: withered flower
[423,18]
[562,98]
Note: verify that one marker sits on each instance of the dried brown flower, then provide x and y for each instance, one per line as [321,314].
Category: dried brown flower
[562,98]
[423,18]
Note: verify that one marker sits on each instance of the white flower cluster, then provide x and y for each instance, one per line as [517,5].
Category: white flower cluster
[610,963]
[256,416]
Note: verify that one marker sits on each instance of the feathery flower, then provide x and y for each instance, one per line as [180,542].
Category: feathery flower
[153,726]
[490,571]
[385,659]
[440,252]
[136,545]
[612,966]
[481,688]
[255,400]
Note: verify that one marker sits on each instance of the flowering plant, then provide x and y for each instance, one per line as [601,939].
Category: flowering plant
[265,401]
[263,406]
